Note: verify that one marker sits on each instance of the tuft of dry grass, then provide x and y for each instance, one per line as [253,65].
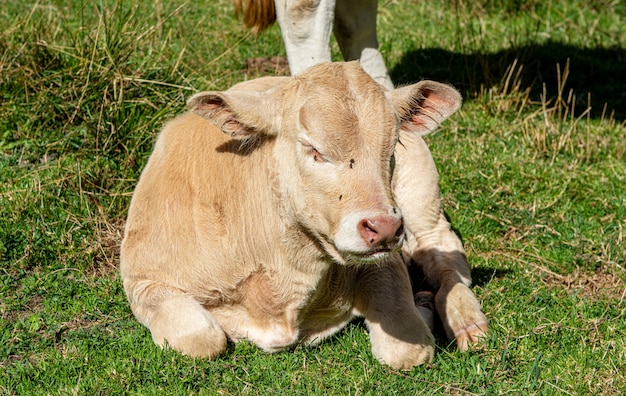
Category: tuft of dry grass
[558,127]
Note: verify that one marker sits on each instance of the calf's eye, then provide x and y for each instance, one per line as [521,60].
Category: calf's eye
[316,155]
[312,151]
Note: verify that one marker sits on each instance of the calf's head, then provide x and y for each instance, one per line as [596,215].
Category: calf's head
[334,131]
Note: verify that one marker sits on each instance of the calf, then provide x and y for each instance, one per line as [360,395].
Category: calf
[271,212]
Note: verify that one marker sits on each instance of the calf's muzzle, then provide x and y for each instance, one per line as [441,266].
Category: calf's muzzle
[380,230]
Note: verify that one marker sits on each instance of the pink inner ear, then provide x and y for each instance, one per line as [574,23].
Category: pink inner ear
[221,115]
[233,128]
[425,119]
[209,104]
[430,113]
[204,106]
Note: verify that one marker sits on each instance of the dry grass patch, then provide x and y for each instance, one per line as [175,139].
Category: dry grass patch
[105,247]
[599,285]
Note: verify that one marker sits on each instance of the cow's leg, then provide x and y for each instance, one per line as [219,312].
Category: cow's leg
[399,335]
[432,245]
[440,255]
[355,31]
[175,319]
[305,26]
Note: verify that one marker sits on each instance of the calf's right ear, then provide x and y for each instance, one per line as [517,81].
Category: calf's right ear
[423,106]
[240,114]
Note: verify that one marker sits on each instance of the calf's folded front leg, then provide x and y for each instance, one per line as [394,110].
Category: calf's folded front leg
[431,244]
[399,336]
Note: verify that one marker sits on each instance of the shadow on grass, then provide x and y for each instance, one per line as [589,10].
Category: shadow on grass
[481,276]
[596,71]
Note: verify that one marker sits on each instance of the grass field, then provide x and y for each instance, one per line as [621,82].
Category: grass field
[532,168]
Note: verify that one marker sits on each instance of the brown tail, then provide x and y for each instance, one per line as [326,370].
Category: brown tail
[257,14]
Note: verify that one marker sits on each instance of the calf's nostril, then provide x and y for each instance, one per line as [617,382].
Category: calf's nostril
[400,230]
[367,230]
[380,230]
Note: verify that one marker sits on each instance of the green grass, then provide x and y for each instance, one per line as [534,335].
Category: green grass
[532,171]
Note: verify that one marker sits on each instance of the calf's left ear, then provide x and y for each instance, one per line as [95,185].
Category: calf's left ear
[240,114]
[423,106]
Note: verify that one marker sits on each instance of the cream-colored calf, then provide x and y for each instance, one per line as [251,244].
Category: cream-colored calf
[267,214]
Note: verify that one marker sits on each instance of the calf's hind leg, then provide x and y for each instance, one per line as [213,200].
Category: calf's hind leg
[175,319]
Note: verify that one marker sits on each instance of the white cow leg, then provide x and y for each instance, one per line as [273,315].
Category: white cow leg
[355,30]
[306,31]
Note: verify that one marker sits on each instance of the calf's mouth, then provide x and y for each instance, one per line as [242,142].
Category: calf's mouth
[376,254]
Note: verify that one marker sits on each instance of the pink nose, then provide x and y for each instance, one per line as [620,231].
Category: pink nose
[380,230]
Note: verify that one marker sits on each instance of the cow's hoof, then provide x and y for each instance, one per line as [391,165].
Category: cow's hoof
[406,348]
[461,315]
[408,356]
[471,335]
